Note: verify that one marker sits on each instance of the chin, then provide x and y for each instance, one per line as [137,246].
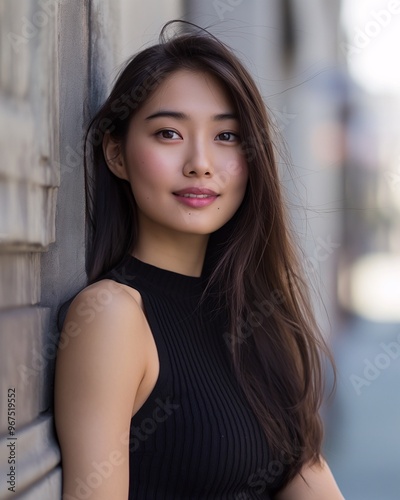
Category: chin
[195,227]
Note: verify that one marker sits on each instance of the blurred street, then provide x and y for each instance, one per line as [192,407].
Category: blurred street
[363,429]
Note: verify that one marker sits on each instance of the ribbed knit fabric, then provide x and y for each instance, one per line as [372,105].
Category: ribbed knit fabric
[195,437]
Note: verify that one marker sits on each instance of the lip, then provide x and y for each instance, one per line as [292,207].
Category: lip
[196,202]
[196,190]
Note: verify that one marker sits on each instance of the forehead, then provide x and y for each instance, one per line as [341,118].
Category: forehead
[194,89]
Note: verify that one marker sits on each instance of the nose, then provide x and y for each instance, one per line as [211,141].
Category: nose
[198,161]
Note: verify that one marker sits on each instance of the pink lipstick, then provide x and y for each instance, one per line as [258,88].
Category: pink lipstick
[196,197]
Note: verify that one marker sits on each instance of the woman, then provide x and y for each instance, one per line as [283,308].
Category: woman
[189,367]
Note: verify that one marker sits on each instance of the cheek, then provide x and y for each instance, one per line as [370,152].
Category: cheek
[241,177]
[237,170]
[231,176]
[147,167]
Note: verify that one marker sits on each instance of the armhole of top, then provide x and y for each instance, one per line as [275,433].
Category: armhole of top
[162,353]
[158,390]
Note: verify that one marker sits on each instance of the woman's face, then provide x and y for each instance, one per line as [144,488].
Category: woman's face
[186,138]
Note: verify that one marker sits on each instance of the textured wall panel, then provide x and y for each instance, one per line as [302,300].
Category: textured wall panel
[24,360]
[19,279]
[48,488]
[28,118]
[37,454]
[29,180]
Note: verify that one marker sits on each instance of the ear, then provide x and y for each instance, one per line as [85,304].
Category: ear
[113,156]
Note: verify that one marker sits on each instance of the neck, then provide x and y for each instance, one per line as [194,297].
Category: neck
[178,252]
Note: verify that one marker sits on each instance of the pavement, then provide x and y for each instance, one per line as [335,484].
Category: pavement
[362,421]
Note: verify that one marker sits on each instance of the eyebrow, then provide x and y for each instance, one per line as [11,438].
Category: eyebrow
[182,116]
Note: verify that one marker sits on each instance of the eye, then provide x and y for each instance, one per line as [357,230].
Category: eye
[227,137]
[168,134]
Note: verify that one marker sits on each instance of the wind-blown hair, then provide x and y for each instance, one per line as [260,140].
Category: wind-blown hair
[275,343]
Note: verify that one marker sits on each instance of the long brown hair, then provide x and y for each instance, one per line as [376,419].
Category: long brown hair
[274,340]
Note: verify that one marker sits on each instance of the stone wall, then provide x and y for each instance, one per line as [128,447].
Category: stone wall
[29,183]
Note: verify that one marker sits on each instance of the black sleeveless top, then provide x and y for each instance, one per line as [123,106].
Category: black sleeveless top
[195,437]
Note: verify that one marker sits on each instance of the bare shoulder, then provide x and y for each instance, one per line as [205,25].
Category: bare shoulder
[105,296]
[102,358]
[104,329]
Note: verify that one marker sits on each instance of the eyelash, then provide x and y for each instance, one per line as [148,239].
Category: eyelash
[160,132]
[235,136]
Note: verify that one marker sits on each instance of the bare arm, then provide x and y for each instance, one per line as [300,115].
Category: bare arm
[101,361]
[321,485]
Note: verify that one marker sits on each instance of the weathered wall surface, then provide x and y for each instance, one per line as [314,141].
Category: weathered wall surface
[29,182]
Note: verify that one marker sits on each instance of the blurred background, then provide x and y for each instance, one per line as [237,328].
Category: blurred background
[328,74]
